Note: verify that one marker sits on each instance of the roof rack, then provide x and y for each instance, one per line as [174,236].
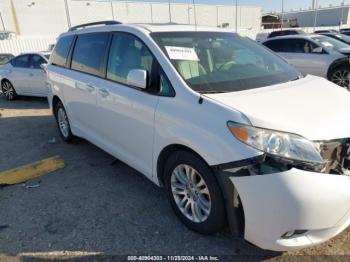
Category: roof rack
[109,22]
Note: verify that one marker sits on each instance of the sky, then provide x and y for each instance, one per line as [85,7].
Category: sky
[267,5]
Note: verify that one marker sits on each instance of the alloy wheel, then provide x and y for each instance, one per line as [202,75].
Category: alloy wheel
[8,90]
[190,193]
[63,122]
[341,77]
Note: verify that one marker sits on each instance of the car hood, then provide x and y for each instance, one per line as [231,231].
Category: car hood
[311,107]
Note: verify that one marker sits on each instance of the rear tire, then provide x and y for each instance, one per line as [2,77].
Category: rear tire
[63,123]
[194,193]
[8,90]
[341,76]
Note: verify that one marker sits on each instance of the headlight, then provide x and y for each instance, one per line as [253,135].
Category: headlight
[276,143]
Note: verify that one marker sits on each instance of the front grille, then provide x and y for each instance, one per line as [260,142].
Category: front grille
[337,156]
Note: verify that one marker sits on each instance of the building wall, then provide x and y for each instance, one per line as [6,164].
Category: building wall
[48,17]
[325,17]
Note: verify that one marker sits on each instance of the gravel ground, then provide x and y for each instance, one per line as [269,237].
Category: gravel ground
[96,205]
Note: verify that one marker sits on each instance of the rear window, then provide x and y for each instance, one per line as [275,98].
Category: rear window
[61,51]
[21,61]
[89,53]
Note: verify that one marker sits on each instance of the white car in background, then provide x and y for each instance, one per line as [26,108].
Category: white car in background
[229,129]
[317,55]
[23,75]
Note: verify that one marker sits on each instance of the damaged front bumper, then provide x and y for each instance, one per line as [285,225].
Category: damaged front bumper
[285,206]
[293,209]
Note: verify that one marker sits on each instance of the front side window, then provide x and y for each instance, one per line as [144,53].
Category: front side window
[37,61]
[60,53]
[89,53]
[127,53]
[212,62]
[300,46]
[21,61]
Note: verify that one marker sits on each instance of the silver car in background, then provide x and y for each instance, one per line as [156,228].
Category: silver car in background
[315,55]
[23,76]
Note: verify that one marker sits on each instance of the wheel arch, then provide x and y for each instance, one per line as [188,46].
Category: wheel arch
[166,153]
[337,63]
[55,101]
[5,79]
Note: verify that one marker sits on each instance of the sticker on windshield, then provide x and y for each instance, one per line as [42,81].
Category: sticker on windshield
[182,53]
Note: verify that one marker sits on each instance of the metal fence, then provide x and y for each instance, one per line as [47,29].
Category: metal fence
[17,46]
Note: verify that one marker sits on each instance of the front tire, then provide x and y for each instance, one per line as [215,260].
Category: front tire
[8,90]
[341,76]
[194,193]
[63,123]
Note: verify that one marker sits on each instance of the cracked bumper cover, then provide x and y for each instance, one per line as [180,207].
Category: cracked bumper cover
[274,204]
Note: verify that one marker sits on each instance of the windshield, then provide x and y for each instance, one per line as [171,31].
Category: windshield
[330,43]
[212,62]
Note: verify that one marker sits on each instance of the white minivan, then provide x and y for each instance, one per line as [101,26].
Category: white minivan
[234,134]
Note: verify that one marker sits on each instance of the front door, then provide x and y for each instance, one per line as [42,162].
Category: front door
[127,112]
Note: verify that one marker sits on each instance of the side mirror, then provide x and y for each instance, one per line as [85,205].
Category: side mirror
[138,78]
[43,66]
[317,50]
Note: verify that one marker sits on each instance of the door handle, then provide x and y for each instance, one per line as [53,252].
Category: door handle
[103,92]
[90,87]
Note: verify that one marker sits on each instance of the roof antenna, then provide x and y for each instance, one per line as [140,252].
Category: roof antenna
[195,14]
[170,11]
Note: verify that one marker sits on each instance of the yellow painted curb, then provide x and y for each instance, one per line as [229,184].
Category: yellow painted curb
[24,173]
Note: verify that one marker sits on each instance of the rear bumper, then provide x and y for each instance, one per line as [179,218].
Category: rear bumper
[316,206]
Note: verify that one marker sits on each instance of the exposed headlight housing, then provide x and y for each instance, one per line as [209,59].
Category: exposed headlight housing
[276,143]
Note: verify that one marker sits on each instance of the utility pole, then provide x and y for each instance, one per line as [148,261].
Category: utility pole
[2,22]
[282,16]
[316,9]
[195,14]
[170,11]
[236,16]
[342,14]
[112,10]
[67,13]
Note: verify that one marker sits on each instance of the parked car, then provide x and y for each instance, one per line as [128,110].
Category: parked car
[4,58]
[286,32]
[327,31]
[229,129]
[316,55]
[344,31]
[340,37]
[23,75]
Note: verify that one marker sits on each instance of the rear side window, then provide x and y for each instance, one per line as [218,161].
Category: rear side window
[21,61]
[89,53]
[61,51]
[275,45]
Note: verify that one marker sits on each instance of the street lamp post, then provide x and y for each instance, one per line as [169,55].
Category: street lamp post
[170,11]
[236,22]
[342,14]
[282,16]
[112,9]
[67,13]
[316,9]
